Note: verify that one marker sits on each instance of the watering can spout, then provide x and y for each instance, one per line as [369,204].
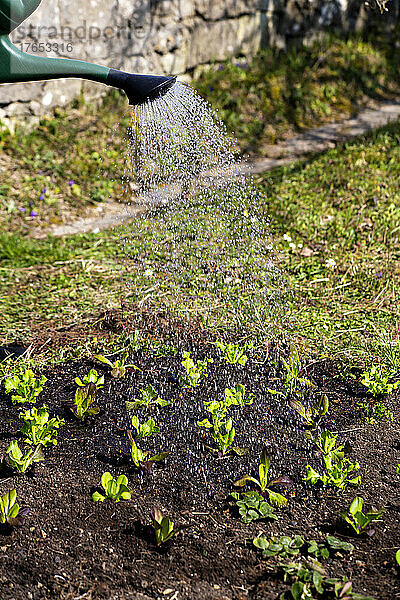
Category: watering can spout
[17,66]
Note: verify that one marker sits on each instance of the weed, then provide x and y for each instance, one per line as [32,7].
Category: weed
[376,380]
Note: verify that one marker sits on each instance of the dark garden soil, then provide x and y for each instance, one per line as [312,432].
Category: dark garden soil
[72,548]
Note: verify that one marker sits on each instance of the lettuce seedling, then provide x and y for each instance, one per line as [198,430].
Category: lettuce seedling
[375,411]
[114,489]
[144,429]
[84,398]
[233,353]
[119,367]
[38,428]
[142,459]
[164,529]
[194,372]
[237,396]
[337,468]
[264,483]
[221,429]
[150,398]
[253,507]
[27,387]
[312,415]
[10,511]
[22,462]
[293,383]
[397,557]
[360,521]
[376,380]
[92,377]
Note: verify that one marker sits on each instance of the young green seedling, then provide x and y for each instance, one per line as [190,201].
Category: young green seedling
[142,459]
[22,462]
[293,382]
[376,380]
[144,429]
[220,427]
[264,483]
[84,398]
[194,372]
[285,546]
[164,529]
[237,396]
[92,377]
[119,367]
[253,507]
[27,387]
[38,428]
[312,415]
[233,353]
[10,511]
[114,489]
[360,521]
[338,469]
[149,399]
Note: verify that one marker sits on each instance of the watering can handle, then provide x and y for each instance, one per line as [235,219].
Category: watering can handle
[14,12]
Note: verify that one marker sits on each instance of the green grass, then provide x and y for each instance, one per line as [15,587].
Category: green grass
[279,93]
[195,260]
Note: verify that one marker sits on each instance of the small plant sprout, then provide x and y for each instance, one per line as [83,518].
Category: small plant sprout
[22,462]
[360,521]
[149,399]
[285,546]
[144,429]
[143,459]
[10,511]
[233,353]
[164,529]
[27,387]
[293,383]
[220,427]
[119,367]
[253,507]
[38,428]
[195,372]
[338,469]
[397,557]
[237,396]
[91,377]
[312,416]
[114,489]
[375,411]
[376,380]
[264,483]
[84,398]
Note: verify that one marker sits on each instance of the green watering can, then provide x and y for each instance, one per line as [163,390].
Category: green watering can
[17,66]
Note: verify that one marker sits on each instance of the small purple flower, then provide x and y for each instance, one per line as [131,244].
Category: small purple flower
[210,87]
[22,209]
[379,275]
[44,190]
[30,204]
[220,67]
[33,213]
[71,182]
[41,197]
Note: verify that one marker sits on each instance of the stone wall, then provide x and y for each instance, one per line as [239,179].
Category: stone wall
[160,36]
